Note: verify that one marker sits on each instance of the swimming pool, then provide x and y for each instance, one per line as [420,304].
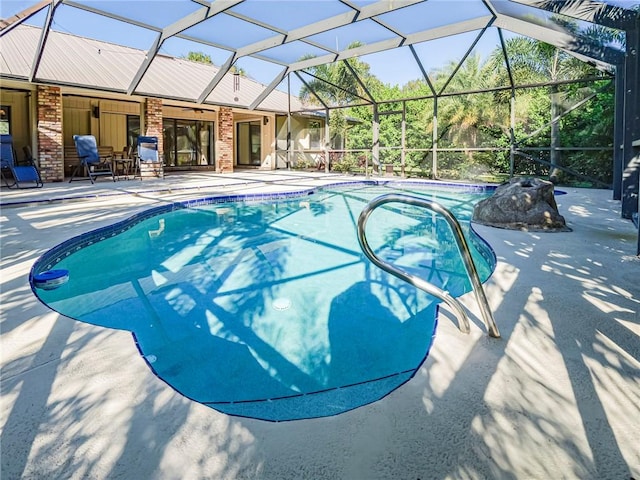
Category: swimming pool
[265,306]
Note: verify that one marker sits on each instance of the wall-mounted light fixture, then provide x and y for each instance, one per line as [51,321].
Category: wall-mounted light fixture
[96,112]
[265,120]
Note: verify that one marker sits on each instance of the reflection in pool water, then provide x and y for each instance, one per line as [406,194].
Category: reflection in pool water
[268,308]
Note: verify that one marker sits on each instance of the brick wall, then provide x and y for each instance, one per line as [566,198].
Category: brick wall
[153,128]
[224,148]
[50,143]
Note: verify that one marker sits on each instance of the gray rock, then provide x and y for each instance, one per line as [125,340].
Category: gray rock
[521,204]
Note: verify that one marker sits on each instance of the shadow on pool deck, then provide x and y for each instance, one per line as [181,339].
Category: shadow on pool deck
[558,396]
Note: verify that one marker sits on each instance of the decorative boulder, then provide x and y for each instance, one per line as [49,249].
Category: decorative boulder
[521,204]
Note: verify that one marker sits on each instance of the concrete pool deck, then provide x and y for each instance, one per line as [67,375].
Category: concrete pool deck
[558,396]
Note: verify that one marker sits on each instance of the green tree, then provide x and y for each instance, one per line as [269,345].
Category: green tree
[199,57]
[238,71]
[335,85]
[468,120]
[534,61]
[462,118]
[419,124]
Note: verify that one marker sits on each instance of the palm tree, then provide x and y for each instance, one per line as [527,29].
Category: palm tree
[535,61]
[462,117]
[335,85]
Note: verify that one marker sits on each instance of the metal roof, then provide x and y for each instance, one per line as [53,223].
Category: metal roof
[124,52]
[83,62]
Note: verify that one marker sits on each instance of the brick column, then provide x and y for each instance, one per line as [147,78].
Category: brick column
[224,147]
[49,130]
[153,128]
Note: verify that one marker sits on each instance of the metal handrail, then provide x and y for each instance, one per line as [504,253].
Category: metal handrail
[418,282]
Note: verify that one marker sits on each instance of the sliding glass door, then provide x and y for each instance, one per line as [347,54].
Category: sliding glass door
[187,143]
[248,143]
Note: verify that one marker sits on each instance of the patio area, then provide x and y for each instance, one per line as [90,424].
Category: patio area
[558,396]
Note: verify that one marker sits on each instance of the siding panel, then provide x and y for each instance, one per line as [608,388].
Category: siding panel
[113,130]
[76,122]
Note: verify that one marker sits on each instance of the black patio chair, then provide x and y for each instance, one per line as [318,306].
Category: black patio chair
[90,160]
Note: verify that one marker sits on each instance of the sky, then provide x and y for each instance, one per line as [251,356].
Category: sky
[394,67]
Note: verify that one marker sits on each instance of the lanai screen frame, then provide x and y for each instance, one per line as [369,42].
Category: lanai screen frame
[514,148]
[500,13]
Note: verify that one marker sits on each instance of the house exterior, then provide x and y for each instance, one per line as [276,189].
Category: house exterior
[221,134]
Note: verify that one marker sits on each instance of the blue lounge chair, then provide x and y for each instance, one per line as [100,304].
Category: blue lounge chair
[21,176]
[147,151]
[90,160]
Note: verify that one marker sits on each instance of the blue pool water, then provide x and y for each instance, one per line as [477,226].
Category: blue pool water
[266,307]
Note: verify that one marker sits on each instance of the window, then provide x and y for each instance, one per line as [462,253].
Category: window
[315,134]
[5,119]
[133,130]
[187,143]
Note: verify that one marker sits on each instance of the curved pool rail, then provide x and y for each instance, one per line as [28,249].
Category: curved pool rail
[418,282]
